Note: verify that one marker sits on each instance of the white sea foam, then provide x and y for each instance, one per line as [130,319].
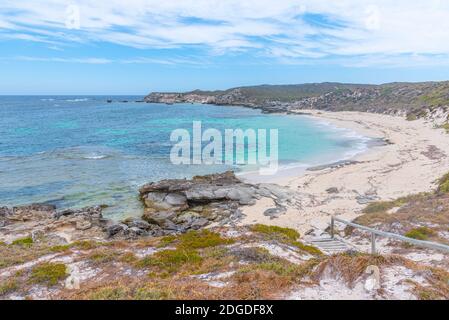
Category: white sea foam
[95,157]
[77,100]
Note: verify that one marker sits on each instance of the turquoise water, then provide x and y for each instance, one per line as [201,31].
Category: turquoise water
[79,151]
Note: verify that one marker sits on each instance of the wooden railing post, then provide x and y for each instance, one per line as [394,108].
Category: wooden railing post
[373,243]
[374,232]
[332,227]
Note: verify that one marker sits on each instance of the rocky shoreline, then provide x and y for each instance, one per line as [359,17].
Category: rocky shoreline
[171,206]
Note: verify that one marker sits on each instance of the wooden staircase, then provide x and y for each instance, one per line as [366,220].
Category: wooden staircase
[330,245]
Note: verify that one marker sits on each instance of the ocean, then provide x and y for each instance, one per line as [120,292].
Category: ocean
[76,151]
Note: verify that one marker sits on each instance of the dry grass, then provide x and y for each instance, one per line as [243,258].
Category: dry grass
[8,286]
[438,284]
[417,213]
[147,289]
[270,279]
[103,255]
[351,267]
[257,284]
[128,257]
[196,252]
[15,254]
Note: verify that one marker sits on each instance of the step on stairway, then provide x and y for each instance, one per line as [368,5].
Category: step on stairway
[330,245]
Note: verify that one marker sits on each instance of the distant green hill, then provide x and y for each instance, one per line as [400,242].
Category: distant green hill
[412,99]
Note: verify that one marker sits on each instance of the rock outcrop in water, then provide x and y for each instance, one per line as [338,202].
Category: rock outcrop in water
[170,207]
[178,205]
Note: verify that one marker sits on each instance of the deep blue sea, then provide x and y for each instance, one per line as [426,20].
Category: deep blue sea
[75,151]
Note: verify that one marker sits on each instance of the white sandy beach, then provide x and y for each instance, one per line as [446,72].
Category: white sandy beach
[416,158]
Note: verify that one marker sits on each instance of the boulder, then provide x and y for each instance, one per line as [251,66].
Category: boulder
[274,212]
[176,199]
[175,204]
[116,229]
[40,207]
[83,224]
[137,223]
[187,217]
[332,190]
[35,211]
[199,223]
[5,211]
[156,200]
[159,218]
[94,212]
[135,232]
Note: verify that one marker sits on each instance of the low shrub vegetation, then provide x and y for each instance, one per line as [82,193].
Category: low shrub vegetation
[99,256]
[443,185]
[85,245]
[285,235]
[171,260]
[195,240]
[27,241]
[275,231]
[48,273]
[60,248]
[307,248]
[201,239]
[421,233]
[383,206]
[445,127]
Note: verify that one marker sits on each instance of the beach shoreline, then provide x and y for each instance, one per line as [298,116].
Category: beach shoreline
[366,141]
[414,158]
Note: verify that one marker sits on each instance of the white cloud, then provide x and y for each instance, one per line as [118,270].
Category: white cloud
[282,29]
[64,60]
[96,60]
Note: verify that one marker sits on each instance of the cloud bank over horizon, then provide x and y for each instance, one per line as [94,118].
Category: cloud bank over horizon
[346,32]
[140,45]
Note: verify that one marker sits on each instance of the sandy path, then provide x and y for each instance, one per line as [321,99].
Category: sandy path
[417,157]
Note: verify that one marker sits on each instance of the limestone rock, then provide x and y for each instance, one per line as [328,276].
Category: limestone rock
[160,218]
[137,223]
[116,229]
[332,190]
[191,204]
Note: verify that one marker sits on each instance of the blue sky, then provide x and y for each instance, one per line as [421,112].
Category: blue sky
[138,46]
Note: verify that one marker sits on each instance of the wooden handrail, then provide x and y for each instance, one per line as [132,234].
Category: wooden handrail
[374,232]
